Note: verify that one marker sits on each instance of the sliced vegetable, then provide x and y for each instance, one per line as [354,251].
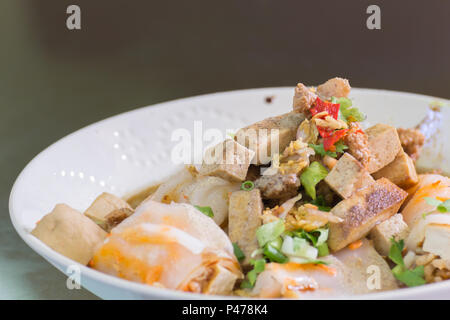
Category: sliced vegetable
[329,142]
[247,186]
[207,211]
[320,106]
[269,232]
[312,176]
[238,252]
[274,254]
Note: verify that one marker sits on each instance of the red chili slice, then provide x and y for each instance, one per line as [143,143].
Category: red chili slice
[320,106]
[328,142]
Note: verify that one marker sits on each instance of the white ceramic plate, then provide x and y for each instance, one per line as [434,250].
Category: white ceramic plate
[130,151]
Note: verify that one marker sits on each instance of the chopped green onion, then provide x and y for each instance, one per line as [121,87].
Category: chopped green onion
[207,211]
[247,186]
[298,247]
[238,252]
[269,231]
[276,243]
[258,267]
[274,254]
[323,250]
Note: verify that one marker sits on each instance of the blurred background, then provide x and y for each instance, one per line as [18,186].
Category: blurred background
[130,54]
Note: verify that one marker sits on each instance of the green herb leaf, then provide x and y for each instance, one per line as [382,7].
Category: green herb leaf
[412,278]
[320,150]
[340,146]
[395,253]
[207,211]
[348,113]
[269,231]
[238,252]
[312,176]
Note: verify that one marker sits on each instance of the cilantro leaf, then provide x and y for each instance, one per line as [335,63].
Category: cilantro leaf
[340,146]
[320,150]
[348,113]
[395,252]
[312,176]
[412,278]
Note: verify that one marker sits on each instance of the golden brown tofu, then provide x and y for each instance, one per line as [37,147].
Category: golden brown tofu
[244,218]
[348,176]
[222,281]
[103,205]
[270,136]
[381,234]
[228,160]
[114,218]
[401,171]
[70,233]
[384,145]
[363,210]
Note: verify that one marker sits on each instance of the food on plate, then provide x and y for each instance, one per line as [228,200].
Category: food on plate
[312,203]
[70,233]
[172,246]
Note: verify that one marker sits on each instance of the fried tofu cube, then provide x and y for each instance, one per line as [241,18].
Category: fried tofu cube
[348,176]
[270,136]
[70,233]
[228,160]
[381,234]
[244,218]
[103,206]
[437,240]
[222,281]
[401,171]
[384,146]
[364,210]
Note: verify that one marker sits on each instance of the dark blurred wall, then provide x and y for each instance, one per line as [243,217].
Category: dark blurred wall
[135,53]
